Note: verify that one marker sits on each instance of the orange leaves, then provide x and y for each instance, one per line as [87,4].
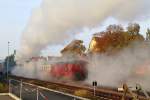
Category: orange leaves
[113,39]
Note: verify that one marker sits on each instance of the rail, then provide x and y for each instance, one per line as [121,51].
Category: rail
[102,93]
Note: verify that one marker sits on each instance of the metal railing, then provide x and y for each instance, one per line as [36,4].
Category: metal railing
[30,91]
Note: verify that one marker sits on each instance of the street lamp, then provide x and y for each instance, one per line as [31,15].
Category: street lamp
[7,61]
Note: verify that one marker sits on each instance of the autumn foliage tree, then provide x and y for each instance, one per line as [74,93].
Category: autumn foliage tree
[115,38]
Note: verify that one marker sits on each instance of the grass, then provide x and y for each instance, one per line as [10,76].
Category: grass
[3,87]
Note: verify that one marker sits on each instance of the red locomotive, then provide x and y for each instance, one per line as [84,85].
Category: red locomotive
[72,70]
[75,70]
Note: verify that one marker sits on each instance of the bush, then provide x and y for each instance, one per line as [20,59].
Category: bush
[1,86]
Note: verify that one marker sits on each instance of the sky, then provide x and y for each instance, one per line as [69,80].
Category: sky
[14,15]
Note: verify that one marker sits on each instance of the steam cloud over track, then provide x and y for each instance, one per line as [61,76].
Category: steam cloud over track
[132,66]
[58,20]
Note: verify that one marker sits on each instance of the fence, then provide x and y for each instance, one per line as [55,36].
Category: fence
[27,91]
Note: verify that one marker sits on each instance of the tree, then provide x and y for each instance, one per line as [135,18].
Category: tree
[76,47]
[148,34]
[115,28]
[11,62]
[115,39]
[133,28]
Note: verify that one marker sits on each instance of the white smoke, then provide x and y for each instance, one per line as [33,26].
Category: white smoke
[34,70]
[132,66]
[40,68]
[56,20]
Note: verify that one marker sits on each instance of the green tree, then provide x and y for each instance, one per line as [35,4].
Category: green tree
[148,34]
[11,62]
[115,28]
[133,28]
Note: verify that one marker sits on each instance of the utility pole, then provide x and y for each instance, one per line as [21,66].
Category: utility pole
[7,61]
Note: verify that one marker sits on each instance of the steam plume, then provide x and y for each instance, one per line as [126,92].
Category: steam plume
[56,20]
[132,66]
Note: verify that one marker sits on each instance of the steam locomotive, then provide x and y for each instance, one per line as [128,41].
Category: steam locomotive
[73,70]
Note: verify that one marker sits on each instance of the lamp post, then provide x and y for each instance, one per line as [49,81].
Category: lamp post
[7,61]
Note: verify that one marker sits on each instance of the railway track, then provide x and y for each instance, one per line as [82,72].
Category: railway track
[101,92]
